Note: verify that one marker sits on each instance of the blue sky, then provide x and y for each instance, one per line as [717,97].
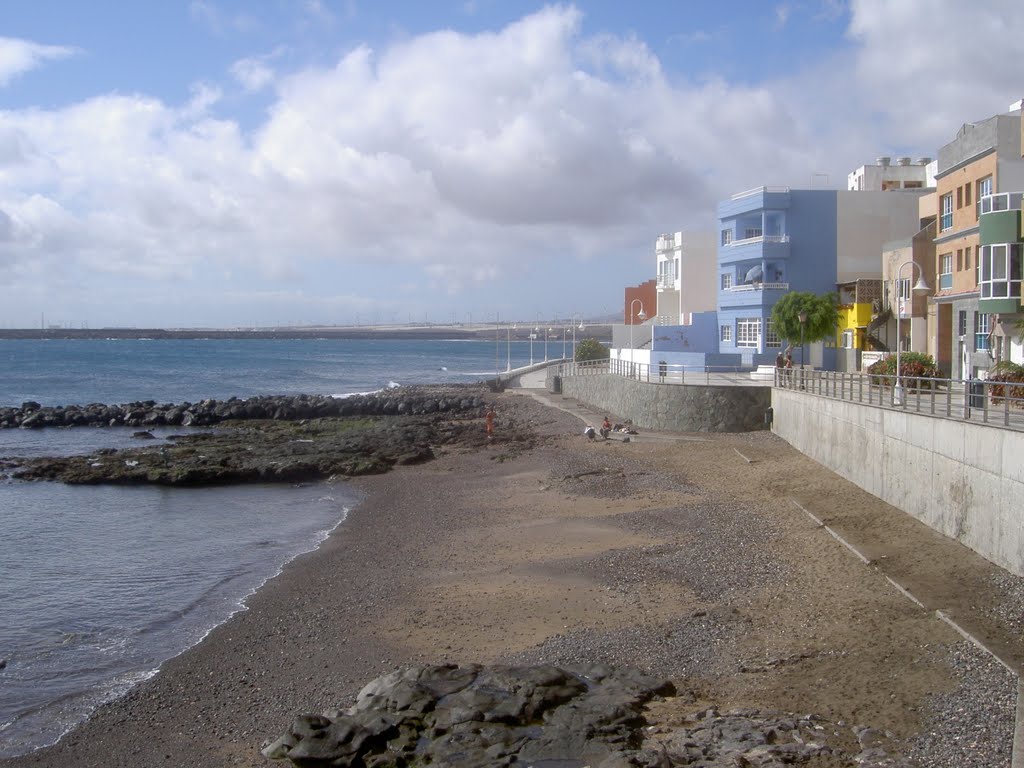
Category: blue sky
[221,163]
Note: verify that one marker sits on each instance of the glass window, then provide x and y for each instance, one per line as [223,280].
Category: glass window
[771,338]
[726,236]
[748,332]
[982,325]
[999,271]
[962,324]
[947,212]
[945,271]
[725,333]
[726,281]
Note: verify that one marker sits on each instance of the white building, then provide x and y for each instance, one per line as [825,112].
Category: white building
[885,175]
[685,269]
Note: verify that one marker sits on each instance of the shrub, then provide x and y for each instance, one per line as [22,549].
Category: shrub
[591,349]
[1007,381]
[913,366]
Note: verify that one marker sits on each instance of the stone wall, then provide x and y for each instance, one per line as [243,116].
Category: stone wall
[962,479]
[673,407]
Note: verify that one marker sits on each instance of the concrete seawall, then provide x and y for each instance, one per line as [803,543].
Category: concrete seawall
[964,480]
[673,407]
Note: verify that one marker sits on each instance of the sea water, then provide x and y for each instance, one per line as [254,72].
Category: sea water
[101,584]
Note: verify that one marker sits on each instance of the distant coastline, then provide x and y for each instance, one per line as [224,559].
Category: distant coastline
[602,332]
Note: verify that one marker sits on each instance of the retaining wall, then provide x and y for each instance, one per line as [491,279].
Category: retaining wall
[962,479]
[673,407]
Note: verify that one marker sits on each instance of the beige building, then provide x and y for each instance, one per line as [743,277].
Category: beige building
[686,269]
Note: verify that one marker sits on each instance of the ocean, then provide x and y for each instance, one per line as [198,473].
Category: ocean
[100,585]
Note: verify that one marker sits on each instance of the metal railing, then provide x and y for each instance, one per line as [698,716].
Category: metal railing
[989,402]
[666,373]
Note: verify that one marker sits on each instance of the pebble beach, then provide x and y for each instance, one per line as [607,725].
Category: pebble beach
[683,555]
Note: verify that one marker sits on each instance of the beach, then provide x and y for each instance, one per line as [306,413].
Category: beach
[685,555]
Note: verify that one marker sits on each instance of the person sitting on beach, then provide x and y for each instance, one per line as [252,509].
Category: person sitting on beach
[606,428]
[589,432]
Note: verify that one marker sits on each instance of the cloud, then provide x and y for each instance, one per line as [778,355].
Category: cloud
[458,162]
[253,74]
[20,56]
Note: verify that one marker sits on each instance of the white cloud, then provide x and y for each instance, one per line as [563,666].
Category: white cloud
[20,56]
[253,74]
[457,162]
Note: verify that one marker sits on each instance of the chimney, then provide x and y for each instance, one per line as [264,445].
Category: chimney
[923,160]
[904,161]
[883,161]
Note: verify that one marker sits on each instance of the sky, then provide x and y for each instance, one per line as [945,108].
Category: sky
[256,163]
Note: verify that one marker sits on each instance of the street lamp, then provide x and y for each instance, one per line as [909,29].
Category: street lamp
[642,315]
[508,346]
[920,288]
[547,332]
[533,335]
[581,327]
[802,317]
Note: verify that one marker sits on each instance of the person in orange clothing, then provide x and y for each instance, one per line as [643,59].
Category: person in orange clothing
[489,421]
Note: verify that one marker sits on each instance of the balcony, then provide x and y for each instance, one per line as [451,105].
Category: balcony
[748,287]
[755,236]
[1004,201]
[666,282]
[666,244]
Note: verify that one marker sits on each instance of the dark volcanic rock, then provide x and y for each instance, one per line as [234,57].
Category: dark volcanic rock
[481,716]
[558,717]
[273,439]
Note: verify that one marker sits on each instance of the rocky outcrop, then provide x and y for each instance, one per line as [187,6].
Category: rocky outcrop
[265,440]
[569,717]
[480,716]
[398,401]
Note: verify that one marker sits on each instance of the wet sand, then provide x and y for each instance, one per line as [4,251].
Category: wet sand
[686,557]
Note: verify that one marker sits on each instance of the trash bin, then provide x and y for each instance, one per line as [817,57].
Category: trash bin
[976,394]
[556,385]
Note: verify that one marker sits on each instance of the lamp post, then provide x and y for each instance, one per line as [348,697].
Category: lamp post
[643,316]
[581,327]
[920,287]
[547,332]
[802,317]
[533,335]
[508,347]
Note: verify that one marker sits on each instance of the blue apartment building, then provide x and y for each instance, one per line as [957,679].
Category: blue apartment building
[774,240]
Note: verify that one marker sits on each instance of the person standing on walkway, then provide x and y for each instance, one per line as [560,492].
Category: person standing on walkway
[489,421]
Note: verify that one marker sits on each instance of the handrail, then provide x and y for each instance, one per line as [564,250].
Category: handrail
[995,403]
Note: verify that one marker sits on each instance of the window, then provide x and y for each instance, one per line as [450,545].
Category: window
[725,333]
[959,259]
[726,281]
[982,325]
[947,212]
[984,188]
[962,324]
[959,198]
[771,338]
[748,332]
[945,271]
[726,236]
[1000,271]
[967,194]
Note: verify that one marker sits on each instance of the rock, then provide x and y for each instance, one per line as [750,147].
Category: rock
[473,716]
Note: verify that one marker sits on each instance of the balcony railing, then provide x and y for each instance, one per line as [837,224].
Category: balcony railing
[758,191]
[760,239]
[746,287]
[665,244]
[666,281]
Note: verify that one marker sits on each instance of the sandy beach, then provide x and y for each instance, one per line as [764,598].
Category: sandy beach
[690,556]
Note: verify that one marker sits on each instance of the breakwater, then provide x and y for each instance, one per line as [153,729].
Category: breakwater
[399,401]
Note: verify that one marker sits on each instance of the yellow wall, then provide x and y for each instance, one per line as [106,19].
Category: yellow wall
[853,316]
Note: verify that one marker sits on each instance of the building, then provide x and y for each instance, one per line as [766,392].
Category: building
[646,297]
[883,175]
[975,169]
[774,240]
[686,276]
